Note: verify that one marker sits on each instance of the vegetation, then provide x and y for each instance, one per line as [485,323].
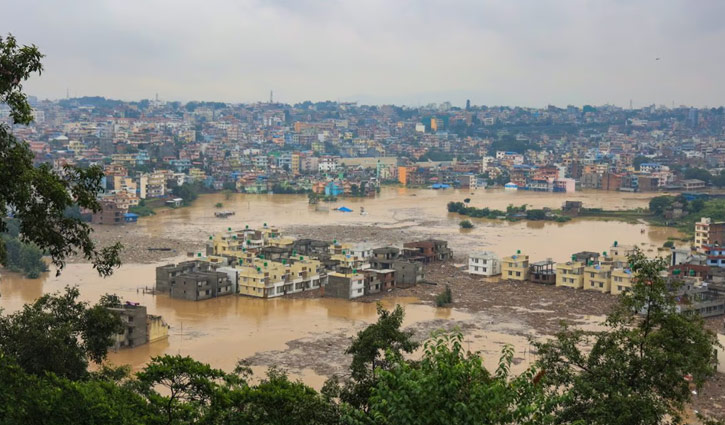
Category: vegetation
[142,209]
[509,143]
[39,196]
[218,205]
[188,191]
[21,257]
[512,213]
[445,297]
[466,224]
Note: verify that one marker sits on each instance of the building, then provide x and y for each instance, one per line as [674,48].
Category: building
[542,272]
[715,255]
[708,232]
[268,279]
[620,253]
[197,286]
[407,273]
[110,213]
[692,184]
[484,263]
[347,285]
[427,251]
[152,185]
[570,274]
[379,280]
[598,277]
[138,327]
[165,274]
[621,281]
[515,267]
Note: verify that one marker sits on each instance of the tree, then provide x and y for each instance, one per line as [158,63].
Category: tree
[659,204]
[40,196]
[374,349]
[637,371]
[58,334]
[466,224]
[699,174]
[638,161]
[450,386]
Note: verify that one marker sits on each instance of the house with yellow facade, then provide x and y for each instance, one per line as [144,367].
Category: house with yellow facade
[570,274]
[620,253]
[266,279]
[515,267]
[598,277]
[621,281]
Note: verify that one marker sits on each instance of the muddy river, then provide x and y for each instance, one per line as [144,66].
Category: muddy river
[223,330]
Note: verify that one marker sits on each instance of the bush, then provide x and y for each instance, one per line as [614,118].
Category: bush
[218,205]
[466,224]
[669,244]
[445,297]
[141,210]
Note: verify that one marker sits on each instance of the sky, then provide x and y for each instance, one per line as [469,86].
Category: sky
[411,52]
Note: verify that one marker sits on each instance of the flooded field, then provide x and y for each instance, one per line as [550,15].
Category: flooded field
[308,336]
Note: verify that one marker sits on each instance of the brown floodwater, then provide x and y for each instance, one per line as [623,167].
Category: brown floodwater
[221,331]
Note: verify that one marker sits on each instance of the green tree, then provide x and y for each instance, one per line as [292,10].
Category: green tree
[38,195]
[640,368]
[638,161]
[373,349]
[699,174]
[659,204]
[58,334]
[466,224]
[451,386]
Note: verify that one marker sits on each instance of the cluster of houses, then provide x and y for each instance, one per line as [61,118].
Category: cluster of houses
[263,263]
[696,282]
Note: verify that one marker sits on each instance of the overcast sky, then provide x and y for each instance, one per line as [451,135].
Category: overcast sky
[494,52]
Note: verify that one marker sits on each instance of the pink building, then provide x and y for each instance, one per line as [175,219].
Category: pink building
[564,185]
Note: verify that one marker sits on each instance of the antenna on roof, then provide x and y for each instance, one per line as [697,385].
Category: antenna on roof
[271,96]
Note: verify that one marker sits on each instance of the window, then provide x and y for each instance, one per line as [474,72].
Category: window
[601,284]
[518,273]
[359,291]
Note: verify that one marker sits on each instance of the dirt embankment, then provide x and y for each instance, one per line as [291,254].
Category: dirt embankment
[136,243]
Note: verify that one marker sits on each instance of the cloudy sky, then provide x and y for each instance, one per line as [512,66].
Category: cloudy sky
[494,52]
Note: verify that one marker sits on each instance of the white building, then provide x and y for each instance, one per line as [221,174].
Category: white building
[484,263]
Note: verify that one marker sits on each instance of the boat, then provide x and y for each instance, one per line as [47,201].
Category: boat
[223,214]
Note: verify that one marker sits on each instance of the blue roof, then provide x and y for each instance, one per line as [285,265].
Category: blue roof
[344,209]
[130,215]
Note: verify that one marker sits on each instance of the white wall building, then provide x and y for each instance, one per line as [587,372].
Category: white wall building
[484,263]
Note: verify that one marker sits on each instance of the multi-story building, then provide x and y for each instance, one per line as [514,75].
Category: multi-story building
[598,278]
[165,274]
[621,281]
[267,279]
[138,327]
[379,280]
[570,274]
[484,263]
[197,286]
[708,232]
[715,255]
[110,213]
[345,285]
[152,185]
[620,253]
[515,267]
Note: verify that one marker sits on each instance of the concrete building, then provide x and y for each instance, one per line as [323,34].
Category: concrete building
[543,272]
[379,280]
[715,255]
[515,267]
[347,286]
[152,185]
[110,213]
[165,275]
[198,286]
[708,232]
[570,274]
[621,281]
[407,273]
[267,279]
[620,253]
[427,251]
[138,327]
[598,278]
[484,263]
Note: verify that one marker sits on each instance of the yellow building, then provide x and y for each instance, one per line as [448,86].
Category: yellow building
[515,267]
[621,281]
[403,175]
[196,174]
[620,253]
[156,328]
[295,164]
[266,279]
[570,274]
[598,278]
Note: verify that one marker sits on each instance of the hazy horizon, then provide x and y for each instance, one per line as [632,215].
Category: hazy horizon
[416,52]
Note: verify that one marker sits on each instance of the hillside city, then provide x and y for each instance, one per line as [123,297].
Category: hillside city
[151,148]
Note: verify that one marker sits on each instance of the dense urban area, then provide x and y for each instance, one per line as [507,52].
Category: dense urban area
[133,292]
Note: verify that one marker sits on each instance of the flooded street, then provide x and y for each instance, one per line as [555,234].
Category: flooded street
[223,330]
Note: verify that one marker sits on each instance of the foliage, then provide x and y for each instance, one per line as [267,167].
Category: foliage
[445,297]
[374,349]
[218,205]
[58,334]
[188,192]
[669,244]
[699,174]
[509,143]
[637,371]
[23,257]
[142,210]
[536,215]
[39,196]
[638,161]
[450,386]
[466,224]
